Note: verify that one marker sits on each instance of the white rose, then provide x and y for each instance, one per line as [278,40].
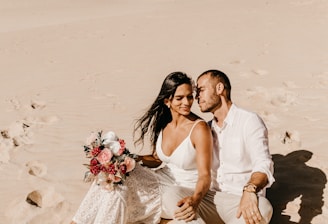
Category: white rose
[115,146]
[109,137]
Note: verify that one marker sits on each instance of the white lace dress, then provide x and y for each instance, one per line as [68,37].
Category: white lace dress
[146,194]
[137,201]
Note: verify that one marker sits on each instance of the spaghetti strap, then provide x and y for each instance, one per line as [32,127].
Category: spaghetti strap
[192,128]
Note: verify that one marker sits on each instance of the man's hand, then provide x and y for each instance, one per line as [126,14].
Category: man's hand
[187,209]
[248,208]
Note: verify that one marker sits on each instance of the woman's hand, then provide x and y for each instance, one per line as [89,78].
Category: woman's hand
[187,209]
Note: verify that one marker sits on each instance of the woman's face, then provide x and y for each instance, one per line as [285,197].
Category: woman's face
[182,100]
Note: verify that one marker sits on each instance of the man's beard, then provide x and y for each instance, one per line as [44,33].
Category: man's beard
[207,109]
[211,107]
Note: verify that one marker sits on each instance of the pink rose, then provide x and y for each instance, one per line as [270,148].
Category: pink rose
[129,163]
[105,156]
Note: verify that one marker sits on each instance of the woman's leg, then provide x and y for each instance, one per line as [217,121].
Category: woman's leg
[170,196]
[88,208]
[100,204]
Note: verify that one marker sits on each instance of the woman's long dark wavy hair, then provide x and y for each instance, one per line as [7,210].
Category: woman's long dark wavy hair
[159,115]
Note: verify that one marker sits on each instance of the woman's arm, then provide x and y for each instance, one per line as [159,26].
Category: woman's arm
[201,137]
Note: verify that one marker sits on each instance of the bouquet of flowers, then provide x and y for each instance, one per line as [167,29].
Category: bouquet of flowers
[110,161]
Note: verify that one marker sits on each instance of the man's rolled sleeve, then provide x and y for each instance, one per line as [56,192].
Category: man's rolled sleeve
[258,146]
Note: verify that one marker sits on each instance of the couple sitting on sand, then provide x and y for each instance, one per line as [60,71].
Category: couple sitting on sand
[214,172]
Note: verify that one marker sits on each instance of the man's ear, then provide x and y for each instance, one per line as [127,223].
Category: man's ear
[219,88]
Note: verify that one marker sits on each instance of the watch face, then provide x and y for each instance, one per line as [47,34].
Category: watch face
[250,188]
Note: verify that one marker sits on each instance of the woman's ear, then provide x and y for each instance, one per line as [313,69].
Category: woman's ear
[219,88]
[167,102]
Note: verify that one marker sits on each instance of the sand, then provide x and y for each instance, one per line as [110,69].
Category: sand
[72,67]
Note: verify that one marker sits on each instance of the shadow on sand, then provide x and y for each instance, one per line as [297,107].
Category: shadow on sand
[295,179]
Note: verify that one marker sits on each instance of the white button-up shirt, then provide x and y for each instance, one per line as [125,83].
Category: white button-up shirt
[240,149]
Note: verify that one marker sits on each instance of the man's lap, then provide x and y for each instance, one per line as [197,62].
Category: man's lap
[227,206]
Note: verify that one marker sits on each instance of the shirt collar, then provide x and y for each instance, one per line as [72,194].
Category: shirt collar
[229,118]
[231,115]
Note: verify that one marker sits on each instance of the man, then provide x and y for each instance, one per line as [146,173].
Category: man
[242,167]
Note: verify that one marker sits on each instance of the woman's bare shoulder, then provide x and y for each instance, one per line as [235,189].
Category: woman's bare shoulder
[201,126]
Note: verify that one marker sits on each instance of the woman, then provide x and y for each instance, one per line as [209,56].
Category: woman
[182,141]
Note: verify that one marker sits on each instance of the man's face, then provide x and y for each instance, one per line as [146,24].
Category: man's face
[206,96]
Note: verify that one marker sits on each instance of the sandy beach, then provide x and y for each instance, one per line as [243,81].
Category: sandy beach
[72,67]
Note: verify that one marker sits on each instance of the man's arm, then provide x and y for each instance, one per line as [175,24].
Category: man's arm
[256,141]
[151,161]
[258,180]
[248,207]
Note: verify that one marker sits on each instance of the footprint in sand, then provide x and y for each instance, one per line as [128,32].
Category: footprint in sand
[37,168]
[15,103]
[20,132]
[34,198]
[283,97]
[35,104]
[17,133]
[38,206]
[43,198]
